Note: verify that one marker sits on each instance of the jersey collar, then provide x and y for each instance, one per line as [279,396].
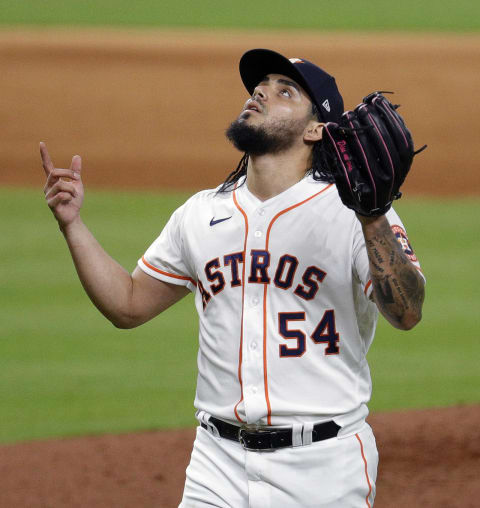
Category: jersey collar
[300,191]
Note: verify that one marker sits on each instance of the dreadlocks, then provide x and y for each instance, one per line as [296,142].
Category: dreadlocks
[235,175]
[319,170]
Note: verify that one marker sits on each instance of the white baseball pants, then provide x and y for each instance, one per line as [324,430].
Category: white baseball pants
[334,473]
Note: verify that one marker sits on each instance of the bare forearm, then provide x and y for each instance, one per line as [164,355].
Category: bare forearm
[398,288]
[126,300]
[107,284]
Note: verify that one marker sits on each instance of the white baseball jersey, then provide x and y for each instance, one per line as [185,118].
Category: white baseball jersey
[281,289]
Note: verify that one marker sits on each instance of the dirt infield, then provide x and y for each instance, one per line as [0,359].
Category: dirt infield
[148,111]
[428,459]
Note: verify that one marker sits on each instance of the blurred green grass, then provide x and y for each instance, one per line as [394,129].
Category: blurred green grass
[65,370]
[445,15]
[436,363]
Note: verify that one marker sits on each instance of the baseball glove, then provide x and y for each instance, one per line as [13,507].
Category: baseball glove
[369,152]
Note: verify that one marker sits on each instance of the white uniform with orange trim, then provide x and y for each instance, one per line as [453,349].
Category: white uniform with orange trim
[281,289]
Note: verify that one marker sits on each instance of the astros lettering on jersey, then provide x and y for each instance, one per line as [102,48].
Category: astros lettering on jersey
[282,292]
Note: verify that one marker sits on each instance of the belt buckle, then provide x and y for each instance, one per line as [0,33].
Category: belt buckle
[256,430]
[241,439]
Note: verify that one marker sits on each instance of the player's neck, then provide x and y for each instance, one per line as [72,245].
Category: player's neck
[271,174]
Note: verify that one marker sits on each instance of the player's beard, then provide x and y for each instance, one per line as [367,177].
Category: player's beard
[274,137]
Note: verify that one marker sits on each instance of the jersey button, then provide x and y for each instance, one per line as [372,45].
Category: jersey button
[253,389]
[258,234]
[255,301]
[253,346]
[261,211]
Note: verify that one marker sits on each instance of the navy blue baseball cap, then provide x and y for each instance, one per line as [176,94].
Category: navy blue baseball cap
[320,86]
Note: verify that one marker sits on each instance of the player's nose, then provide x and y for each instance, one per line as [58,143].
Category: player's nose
[259,93]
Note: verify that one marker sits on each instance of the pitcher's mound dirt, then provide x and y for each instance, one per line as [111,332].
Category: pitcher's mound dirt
[428,458]
[148,109]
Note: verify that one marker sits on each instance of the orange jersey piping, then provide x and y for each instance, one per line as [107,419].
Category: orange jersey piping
[265,370]
[174,276]
[237,416]
[367,285]
[366,471]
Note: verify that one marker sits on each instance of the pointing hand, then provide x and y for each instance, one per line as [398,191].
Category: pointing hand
[63,188]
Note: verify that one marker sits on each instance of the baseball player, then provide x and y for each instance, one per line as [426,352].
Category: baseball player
[288,277]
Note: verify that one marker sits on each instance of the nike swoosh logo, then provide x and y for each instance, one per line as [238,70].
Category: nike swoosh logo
[213,221]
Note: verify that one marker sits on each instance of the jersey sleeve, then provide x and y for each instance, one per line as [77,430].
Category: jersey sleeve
[360,257]
[361,269]
[166,259]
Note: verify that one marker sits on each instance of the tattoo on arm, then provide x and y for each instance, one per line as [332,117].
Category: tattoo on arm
[397,288]
[413,286]
[377,267]
[384,290]
[377,255]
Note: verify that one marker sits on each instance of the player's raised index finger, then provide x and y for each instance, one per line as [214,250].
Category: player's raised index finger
[46,161]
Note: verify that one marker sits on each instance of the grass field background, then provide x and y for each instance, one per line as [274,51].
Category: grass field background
[66,370]
[428,15]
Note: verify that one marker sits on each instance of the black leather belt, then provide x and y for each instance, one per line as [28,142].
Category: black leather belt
[266,439]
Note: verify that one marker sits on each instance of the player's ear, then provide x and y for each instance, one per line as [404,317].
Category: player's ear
[313,131]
